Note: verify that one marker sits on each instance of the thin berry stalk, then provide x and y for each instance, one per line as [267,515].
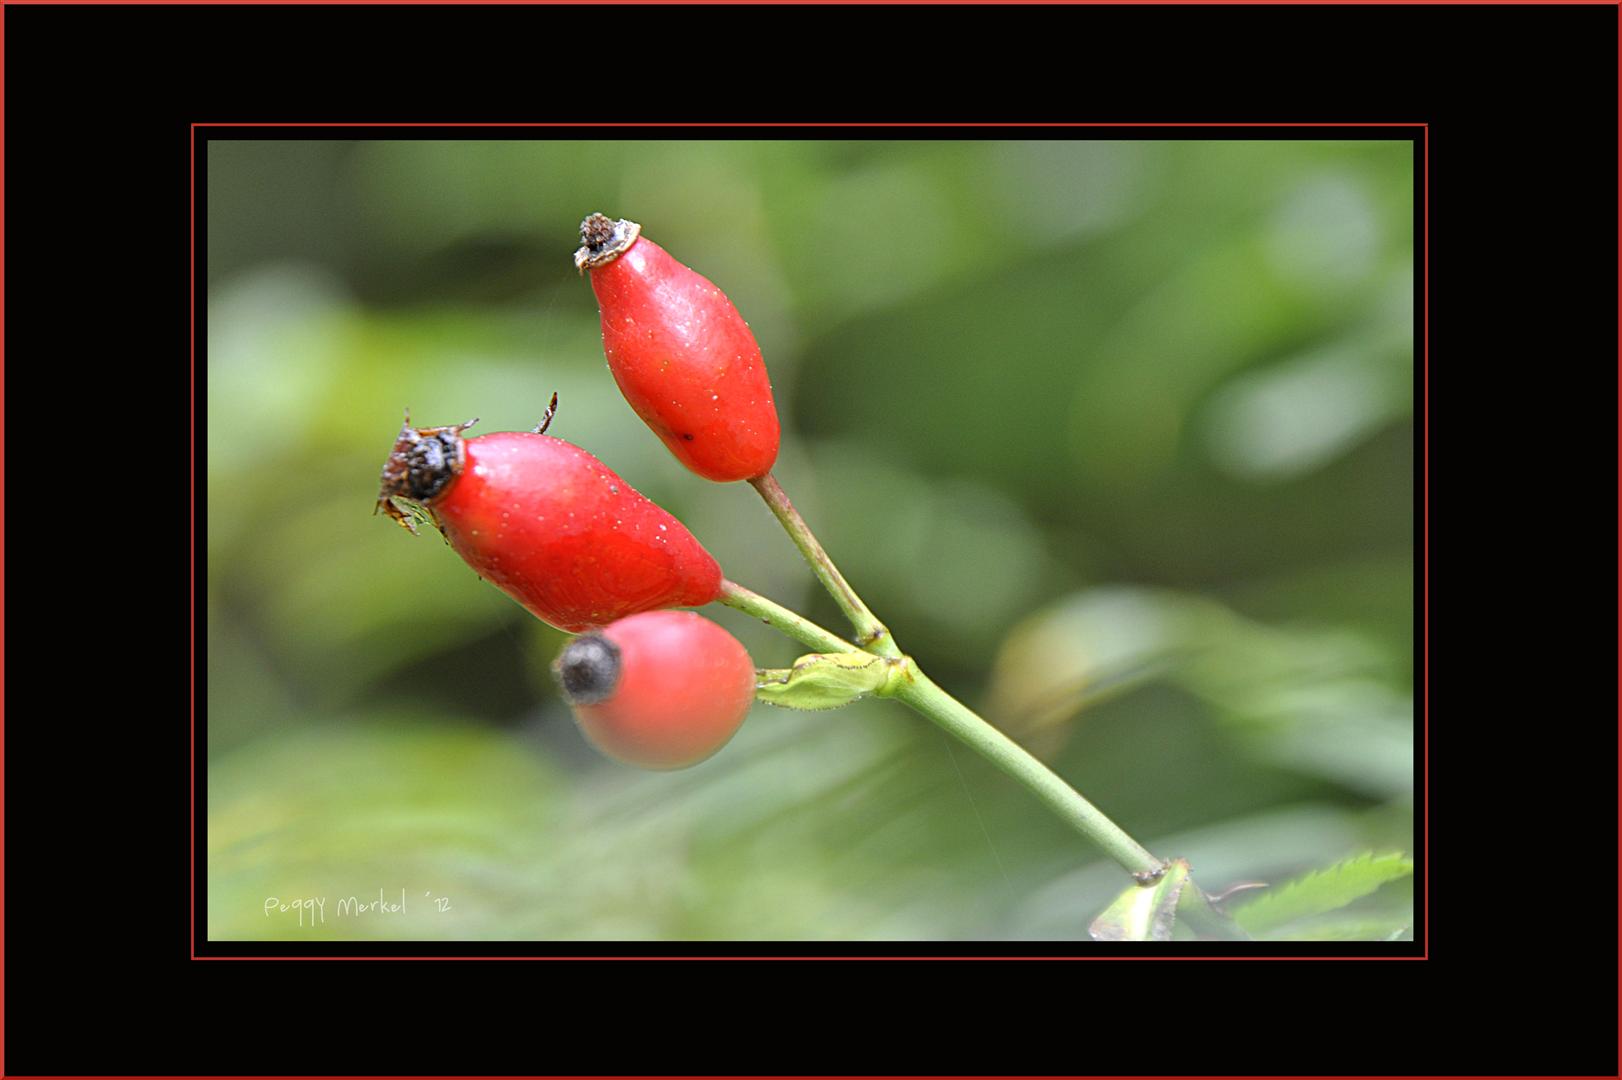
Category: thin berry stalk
[786,622]
[870,633]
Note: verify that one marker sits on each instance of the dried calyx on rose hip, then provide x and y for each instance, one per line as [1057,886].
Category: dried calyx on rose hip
[681,354]
[548,524]
[423,462]
[661,690]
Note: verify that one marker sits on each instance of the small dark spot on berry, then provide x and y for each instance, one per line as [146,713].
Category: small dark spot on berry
[588,669]
[688,435]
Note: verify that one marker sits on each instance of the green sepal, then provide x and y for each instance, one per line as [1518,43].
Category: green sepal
[1202,914]
[828,680]
[1145,912]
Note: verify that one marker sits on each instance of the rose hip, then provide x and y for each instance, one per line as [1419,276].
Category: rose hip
[549,524]
[661,690]
[681,354]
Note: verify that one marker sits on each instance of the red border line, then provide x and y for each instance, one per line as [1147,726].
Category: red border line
[803,124]
[813,3]
[1424,246]
[191,615]
[2,548]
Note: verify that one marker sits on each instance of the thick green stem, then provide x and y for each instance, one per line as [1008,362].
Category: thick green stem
[782,619]
[921,693]
[870,633]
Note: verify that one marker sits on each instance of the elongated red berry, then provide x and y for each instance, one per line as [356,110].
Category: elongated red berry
[549,524]
[682,355]
[662,690]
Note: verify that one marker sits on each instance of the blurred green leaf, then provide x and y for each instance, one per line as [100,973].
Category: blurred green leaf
[347,812]
[1321,891]
[1352,929]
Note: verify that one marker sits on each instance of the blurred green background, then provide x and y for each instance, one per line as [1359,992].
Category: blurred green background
[1116,436]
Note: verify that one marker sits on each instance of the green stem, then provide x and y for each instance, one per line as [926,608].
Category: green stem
[870,633]
[921,694]
[787,622]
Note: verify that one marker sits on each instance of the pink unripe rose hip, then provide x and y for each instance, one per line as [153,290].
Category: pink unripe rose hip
[661,690]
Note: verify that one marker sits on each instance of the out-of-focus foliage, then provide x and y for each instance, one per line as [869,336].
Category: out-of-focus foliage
[1332,904]
[1116,436]
[1293,910]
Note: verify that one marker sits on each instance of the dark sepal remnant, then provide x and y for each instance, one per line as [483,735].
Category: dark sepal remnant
[546,421]
[602,239]
[421,466]
[588,669]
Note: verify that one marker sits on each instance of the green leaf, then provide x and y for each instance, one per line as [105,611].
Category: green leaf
[1346,928]
[826,680]
[1322,891]
[1144,912]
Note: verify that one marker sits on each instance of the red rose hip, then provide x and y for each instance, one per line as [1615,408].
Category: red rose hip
[549,524]
[661,690]
[681,354]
